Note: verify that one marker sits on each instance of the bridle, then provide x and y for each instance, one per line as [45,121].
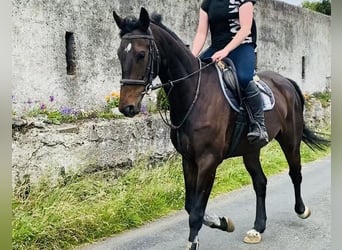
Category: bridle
[152,68]
[152,71]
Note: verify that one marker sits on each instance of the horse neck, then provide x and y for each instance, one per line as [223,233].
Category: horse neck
[176,62]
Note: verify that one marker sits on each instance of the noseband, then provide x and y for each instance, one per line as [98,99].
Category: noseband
[152,68]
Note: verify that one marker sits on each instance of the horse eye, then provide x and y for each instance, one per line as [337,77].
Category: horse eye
[141,55]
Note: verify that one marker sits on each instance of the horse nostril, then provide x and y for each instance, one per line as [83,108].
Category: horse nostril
[129,111]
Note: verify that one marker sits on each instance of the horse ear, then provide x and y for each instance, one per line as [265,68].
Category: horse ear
[144,19]
[118,20]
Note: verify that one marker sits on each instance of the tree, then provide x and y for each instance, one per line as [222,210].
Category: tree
[323,7]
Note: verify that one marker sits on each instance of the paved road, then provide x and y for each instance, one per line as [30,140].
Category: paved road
[284,229]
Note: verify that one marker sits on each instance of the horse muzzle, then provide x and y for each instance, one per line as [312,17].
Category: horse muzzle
[129,110]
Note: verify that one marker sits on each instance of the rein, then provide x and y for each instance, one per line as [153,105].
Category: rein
[172,126]
[160,85]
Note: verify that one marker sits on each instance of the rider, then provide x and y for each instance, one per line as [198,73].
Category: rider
[233,35]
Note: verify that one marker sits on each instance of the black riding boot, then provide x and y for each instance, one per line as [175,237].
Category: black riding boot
[257,130]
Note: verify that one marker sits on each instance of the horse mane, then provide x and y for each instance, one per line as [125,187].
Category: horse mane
[156,19]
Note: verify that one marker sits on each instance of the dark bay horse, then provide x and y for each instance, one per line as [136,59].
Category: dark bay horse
[202,120]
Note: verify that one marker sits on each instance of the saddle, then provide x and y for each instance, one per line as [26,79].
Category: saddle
[231,89]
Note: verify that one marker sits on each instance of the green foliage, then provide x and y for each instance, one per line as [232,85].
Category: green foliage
[323,6]
[59,116]
[83,209]
[54,116]
[112,101]
[323,97]
[162,101]
[68,115]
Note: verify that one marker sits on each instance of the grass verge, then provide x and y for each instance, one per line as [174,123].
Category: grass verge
[83,209]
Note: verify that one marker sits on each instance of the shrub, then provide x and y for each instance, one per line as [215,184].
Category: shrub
[162,101]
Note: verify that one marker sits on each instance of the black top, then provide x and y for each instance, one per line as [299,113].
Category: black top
[224,23]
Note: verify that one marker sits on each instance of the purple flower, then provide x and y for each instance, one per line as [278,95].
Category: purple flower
[66,111]
[42,106]
[143,109]
[52,98]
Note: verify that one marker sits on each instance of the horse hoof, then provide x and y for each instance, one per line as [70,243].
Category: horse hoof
[230,225]
[306,213]
[252,237]
[192,246]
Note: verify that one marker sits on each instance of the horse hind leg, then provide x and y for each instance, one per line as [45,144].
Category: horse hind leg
[292,154]
[302,211]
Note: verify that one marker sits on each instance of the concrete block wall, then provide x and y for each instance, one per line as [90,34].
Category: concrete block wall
[287,34]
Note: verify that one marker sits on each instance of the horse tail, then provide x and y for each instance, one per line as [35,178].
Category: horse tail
[314,141]
[310,137]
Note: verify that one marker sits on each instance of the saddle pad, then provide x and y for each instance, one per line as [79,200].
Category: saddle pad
[266,93]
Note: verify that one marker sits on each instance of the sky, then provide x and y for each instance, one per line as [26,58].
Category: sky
[298,2]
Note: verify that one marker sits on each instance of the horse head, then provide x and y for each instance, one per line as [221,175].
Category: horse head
[139,59]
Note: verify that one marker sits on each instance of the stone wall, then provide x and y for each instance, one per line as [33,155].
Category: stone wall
[42,149]
[286,34]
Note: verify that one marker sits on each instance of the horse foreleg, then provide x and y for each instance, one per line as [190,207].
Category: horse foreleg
[222,223]
[253,166]
[205,179]
[190,172]
[190,179]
